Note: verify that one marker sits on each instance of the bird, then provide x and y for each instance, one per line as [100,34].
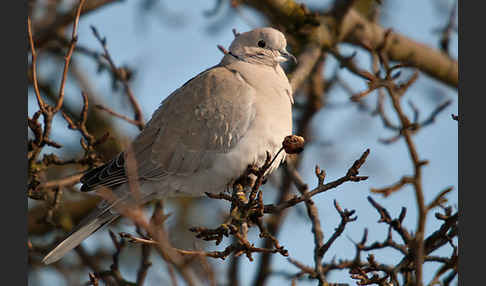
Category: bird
[204,135]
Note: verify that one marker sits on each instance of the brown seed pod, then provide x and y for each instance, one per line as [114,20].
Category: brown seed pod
[293,144]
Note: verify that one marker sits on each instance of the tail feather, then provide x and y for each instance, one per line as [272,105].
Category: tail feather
[93,222]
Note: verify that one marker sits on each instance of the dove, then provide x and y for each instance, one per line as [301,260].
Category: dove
[204,135]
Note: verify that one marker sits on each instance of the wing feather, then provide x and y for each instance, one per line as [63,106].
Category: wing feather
[200,121]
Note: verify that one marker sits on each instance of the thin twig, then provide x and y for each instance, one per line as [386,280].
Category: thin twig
[74,39]
[121,75]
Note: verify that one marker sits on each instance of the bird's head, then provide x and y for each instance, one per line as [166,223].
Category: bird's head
[262,46]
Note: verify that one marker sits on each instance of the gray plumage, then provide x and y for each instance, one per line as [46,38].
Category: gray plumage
[205,134]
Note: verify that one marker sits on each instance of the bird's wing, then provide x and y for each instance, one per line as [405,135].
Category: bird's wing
[109,175]
[203,119]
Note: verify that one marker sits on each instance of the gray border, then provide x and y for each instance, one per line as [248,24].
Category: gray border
[13,212]
[471,141]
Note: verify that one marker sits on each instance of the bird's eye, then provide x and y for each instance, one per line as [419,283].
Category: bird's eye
[261,44]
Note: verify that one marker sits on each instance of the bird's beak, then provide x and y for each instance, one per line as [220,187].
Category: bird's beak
[287,56]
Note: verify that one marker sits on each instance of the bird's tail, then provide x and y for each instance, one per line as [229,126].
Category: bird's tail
[94,221]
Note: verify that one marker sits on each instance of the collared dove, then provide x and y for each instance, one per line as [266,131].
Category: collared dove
[205,134]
